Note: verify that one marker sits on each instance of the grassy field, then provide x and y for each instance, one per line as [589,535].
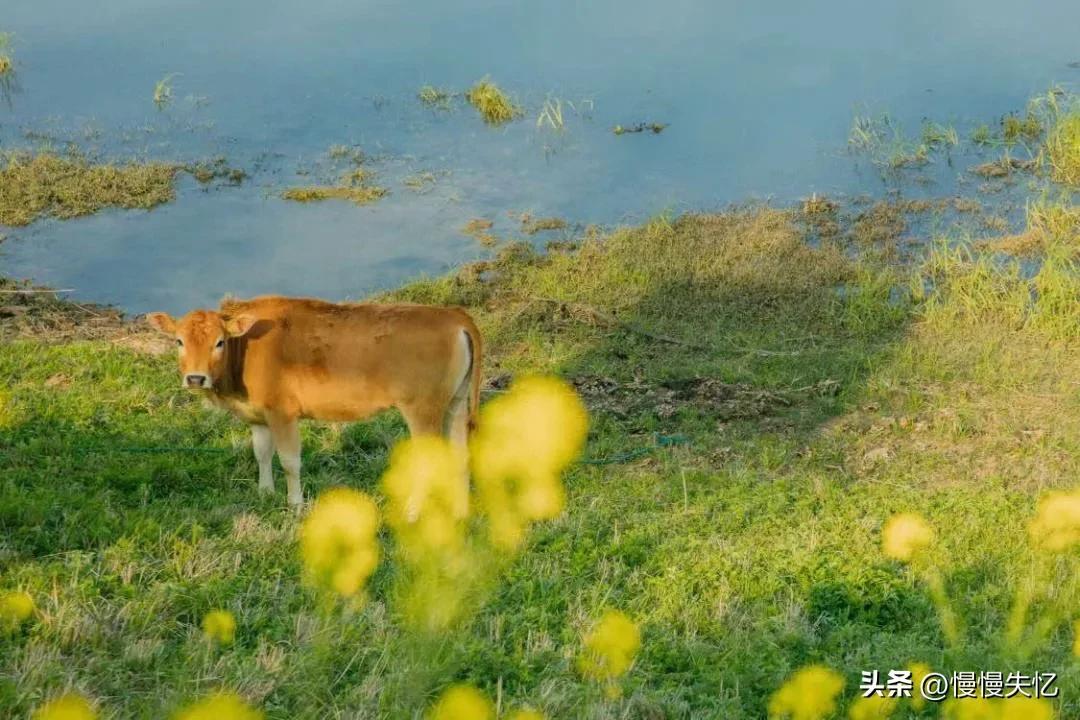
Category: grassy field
[760,406]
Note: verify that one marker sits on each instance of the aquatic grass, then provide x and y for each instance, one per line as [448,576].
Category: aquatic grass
[362,195]
[551,115]
[435,97]
[1016,129]
[982,135]
[163,91]
[494,105]
[68,186]
[934,135]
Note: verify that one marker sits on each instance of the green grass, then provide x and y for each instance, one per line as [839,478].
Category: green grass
[746,551]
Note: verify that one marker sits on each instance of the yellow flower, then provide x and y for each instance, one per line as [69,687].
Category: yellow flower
[1025,708]
[220,706]
[337,541]
[1056,525]
[918,672]
[526,714]
[220,625]
[969,709]
[462,702]
[905,535]
[426,485]
[524,441]
[874,707]
[66,707]
[15,607]
[809,694]
[611,647]
[1076,638]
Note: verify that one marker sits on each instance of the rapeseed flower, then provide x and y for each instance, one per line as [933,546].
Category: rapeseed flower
[611,647]
[338,541]
[525,439]
[66,707]
[220,706]
[1056,525]
[426,486]
[462,702]
[220,626]
[15,608]
[809,694]
[905,535]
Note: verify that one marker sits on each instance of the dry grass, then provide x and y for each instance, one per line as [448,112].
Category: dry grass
[435,97]
[67,186]
[494,105]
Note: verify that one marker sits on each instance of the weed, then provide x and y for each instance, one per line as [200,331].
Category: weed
[494,105]
[479,229]
[653,127]
[1016,129]
[982,135]
[934,135]
[531,225]
[1063,148]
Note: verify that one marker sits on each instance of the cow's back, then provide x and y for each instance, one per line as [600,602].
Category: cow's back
[343,361]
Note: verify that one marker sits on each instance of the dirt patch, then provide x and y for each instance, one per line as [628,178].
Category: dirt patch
[28,311]
[664,399]
[654,127]
[1003,167]
[68,186]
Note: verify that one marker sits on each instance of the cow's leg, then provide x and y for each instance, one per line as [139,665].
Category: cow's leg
[286,434]
[262,442]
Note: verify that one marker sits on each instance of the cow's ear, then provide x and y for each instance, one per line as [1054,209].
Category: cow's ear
[162,321]
[238,326]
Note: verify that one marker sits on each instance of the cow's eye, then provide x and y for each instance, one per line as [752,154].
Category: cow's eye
[179,342]
[220,343]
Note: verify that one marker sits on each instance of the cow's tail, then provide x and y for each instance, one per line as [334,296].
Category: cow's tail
[472,336]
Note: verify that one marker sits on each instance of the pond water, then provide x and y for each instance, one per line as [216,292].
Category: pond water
[759,98]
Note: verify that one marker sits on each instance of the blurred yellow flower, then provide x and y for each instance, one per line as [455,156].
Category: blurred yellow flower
[15,608]
[918,672]
[220,626]
[426,485]
[338,542]
[66,707]
[611,647]
[1056,525]
[1025,708]
[809,694]
[905,535]
[524,441]
[462,702]
[220,706]
[969,709]
[874,707]
[1076,638]
[526,714]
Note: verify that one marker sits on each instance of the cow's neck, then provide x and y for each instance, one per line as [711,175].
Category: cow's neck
[231,384]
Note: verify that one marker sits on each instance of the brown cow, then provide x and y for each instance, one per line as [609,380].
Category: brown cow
[273,360]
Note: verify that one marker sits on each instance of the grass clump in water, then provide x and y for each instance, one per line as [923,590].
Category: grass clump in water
[163,93]
[494,105]
[1015,129]
[435,97]
[68,186]
[317,193]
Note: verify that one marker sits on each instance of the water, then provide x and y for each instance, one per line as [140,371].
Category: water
[759,97]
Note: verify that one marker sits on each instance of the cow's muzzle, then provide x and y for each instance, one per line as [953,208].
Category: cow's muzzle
[196,381]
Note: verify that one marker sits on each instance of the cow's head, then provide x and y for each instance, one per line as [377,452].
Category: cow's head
[201,345]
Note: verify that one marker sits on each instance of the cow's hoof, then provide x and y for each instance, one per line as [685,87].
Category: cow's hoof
[296,503]
[266,489]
